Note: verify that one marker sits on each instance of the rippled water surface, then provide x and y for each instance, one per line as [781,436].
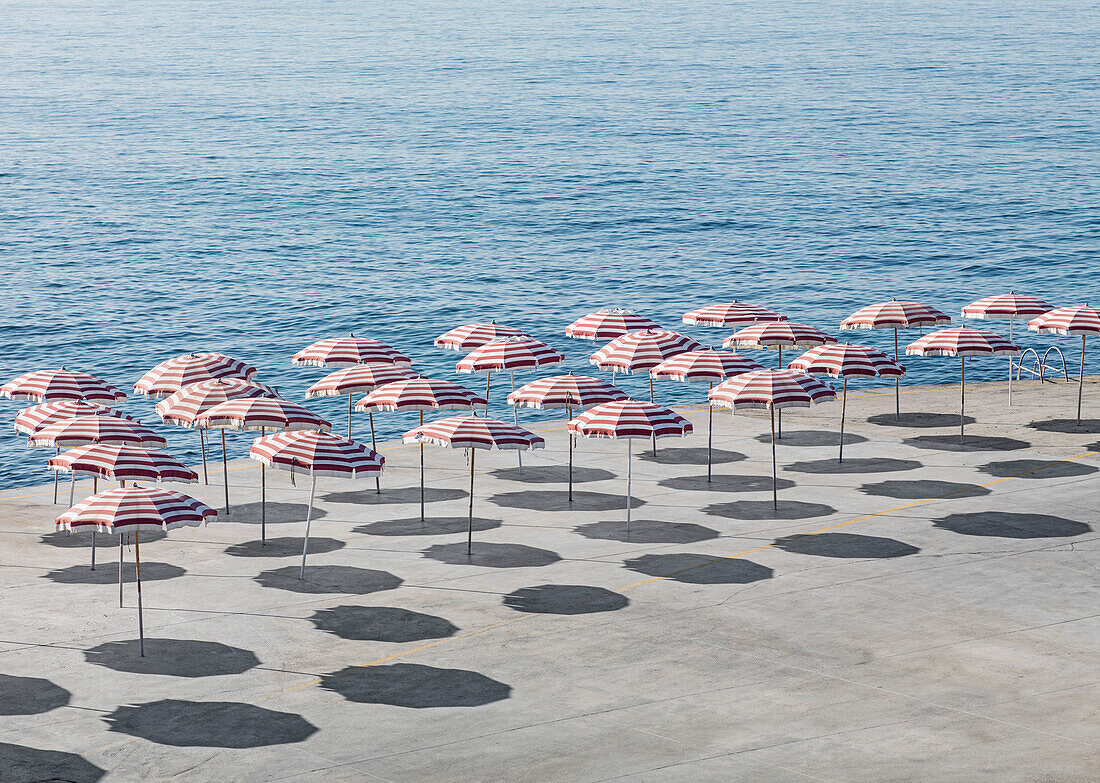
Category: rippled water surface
[246,178]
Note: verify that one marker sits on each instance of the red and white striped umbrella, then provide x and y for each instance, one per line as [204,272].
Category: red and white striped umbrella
[348,351]
[609,323]
[1083,321]
[470,336]
[30,420]
[1007,307]
[630,420]
[774,390]
[123,463]
[732,315]
[359,379]
[54,385]
[136,510]
[473,433]
[779,335]
[316,453]
[85,430]
[171,375]
[640,352]
[509,354]
[845,361]
[962,342]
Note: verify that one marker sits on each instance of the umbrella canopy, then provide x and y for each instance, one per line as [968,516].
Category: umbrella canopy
[466,338]
[348,351]
[123,463]
[732,315]
[258,413]
[777,334]
[30,420]
[421,394]
[53,385]
[171,375]
[640,352]
[96,429]
[184,406]
[609,323]
[359,379]
[1082,321]
[509,354]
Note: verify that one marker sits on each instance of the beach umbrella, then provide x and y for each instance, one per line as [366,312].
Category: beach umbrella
[348,351]
[774,390]
[136,510]
[1007,307]
[183,406]
[566,392]
[629,420]
[359,379]
[962,342]
[257,413]
[29,420]
[706,365]
[466,338]
[609,323]
[1071,321]
[895,315]
[473,433]
[846,361]
[315,453]
[731,315]
[171,375]
[63,384]
[421,394]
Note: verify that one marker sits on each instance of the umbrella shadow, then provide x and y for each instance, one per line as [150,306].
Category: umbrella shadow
[492,555]
[763,509]
[725,483]
[415,686]
[381,624]
[565,599]
[1068,426]
[686,455]
[919,420]
[63,539]
[329,579]
[1037,469]
[552,474]
[429,526]
[813,438]
[107,573]
[858,465]
[30,695]
[173,657]
[277,513]
[923,489]
[970,443]
[647,531]
[209,724]
[558,500]
[699,569]
[1002,524]
[846,545]
[22,764]
[395,496]
[285,546]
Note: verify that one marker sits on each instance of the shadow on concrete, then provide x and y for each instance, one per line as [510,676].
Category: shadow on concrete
[398,495]
[65,540]
[858,465]
[552,474]
[415,685]
[106,573]
[972,443]
[565,599]
[30,695]
[1002,524]
[762,509]
[685,455]
[209,724]
[381,624]
[812,438]
[725,483]
[1037,469]
[647,531]
[329,579]
[21,764]
[923,489]
[919,420]
[285,546]
[558,500]
[429,526]
[700,569]
[1068,426]
[845,545]
[173,657]
[492,555]
[277,513]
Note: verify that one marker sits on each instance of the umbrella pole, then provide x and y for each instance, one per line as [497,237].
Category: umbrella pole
[962,401]
[515,420]
[775,482]
[1011,321]
[93,550]
[225,472]
[780,410]
[72,487]
[120,553]
[309,519]
[654,431]
[374,447]
[897,381]
[710,433]
[843,407]
[569,438]
[263,497]
[202,448]
[55,478]
[141,618]
[1081,380]
[488,377]
[470,526]
[349,417]
[629,445]
[421,471]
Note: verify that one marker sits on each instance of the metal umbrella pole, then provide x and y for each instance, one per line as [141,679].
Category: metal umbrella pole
[225,472]
[1081,380]
[421,471]
[897,381]
[309,519]
[95,489]
[470,526]
[349,417]
[141,617]
[962,401]
[515,419]
[775,481]
[56,476]
[710,433]
[374,447]
[263,496]
[843,407]
[120,553]
[1011,361]
[202,448]
[655,431]
[780,410]
[488,378]
[629,461]
[569,438]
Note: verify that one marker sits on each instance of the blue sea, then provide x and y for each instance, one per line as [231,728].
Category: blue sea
[250,177]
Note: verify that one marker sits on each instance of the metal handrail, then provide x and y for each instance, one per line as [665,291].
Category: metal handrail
[1040,366]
